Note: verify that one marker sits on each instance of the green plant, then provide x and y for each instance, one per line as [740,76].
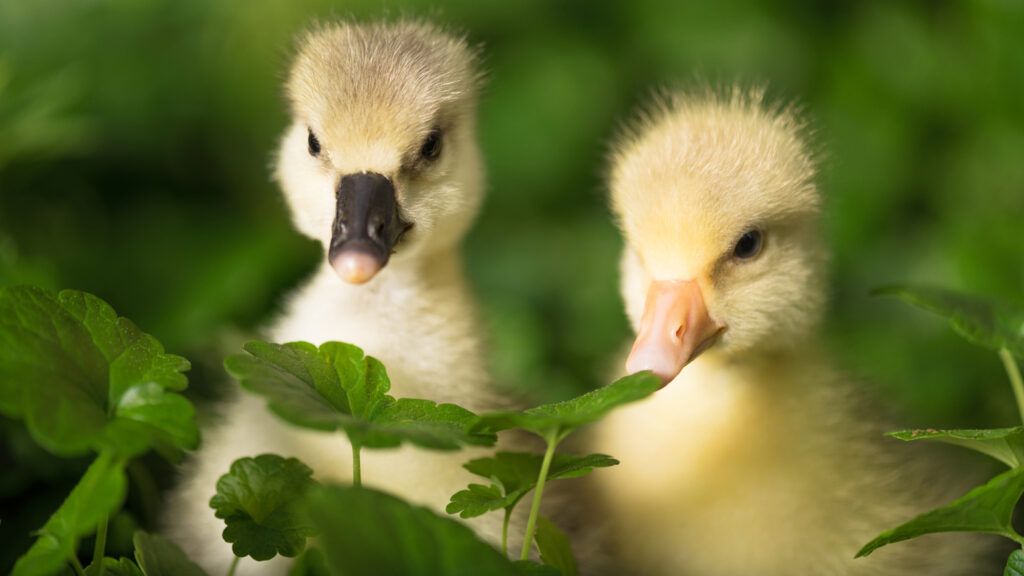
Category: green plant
[85,380]
[337,387]
[513,475]
[987,508]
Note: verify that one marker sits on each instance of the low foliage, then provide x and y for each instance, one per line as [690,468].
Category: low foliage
[84,379]
[987,508]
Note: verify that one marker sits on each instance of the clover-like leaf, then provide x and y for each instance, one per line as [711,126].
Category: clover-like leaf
[364,531]
[1015,564]
[83,378]
[983,322]
[555,549]
[559,419]
[513,475]
[478,499]
[1003,444]
[259,501]
[337,387]
[97,495]
[158,556]
[987,508]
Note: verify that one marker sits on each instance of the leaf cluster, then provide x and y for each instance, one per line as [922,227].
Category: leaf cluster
[987,508]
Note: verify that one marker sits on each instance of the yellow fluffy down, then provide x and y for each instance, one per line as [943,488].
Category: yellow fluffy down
[759,458]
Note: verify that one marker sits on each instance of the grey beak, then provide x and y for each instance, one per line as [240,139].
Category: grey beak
[367,226]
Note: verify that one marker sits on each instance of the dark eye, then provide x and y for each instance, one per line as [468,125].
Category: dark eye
[431,148]
[749,245]
[314,144]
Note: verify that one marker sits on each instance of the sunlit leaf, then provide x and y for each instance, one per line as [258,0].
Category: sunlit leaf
[337,387]
[83,378]
[561,418]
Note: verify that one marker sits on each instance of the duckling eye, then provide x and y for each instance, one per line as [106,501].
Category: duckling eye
[431,147]
[314,144]
[749,245]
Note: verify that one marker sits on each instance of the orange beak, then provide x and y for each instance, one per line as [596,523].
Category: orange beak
[675,328]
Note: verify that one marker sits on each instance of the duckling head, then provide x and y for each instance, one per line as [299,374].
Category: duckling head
[716,200]
[380,162]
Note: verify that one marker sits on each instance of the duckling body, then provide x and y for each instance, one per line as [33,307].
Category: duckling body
[381,165]
[757,457]
[770,466]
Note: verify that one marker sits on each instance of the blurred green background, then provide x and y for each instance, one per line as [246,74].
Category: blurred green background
[135,140]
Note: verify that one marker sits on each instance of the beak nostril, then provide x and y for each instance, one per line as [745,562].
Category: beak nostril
[375,229]
[677,336]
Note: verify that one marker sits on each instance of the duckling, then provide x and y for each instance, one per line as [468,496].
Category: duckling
[757,457]
[381,165]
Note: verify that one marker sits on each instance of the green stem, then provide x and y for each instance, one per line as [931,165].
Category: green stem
[504,532]
[1015,379]
[234,565]
[538,492]
[357,467]
[100,549]
[77,566]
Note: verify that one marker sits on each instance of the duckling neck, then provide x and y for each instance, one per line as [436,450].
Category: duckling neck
[416,316]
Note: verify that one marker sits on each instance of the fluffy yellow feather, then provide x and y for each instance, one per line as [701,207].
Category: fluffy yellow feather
[758,457]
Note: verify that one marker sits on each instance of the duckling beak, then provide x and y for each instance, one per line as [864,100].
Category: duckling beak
[367,226]
[674,330]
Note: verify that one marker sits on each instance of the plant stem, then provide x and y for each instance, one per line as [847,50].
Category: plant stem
[357,467]
[504,532]
[100,548]
[77,566]
[1015,379]
[538,492]
[234,565]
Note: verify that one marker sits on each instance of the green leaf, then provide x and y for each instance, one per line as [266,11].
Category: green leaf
[477,500]
[1015,564]
[1003,444]
[118,567]
[531,568]
[83,378]
[987,508]
[96,496]
[338,387]
[513,475]
[555,549]
[369,532]
[561,418]
[310,563]
[982,322]
[158,556]
[259,501]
